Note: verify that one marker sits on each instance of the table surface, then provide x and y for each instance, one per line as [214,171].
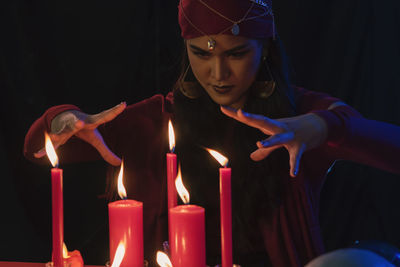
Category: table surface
[30,264]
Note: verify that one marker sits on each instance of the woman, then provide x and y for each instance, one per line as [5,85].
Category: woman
[233,63]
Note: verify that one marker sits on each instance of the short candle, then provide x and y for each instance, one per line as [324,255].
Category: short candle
[187,229]
[126,225]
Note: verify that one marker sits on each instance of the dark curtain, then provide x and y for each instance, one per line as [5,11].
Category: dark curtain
[96,54]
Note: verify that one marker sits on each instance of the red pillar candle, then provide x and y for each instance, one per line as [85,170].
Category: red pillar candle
[225,196]
[126,225]
[57,208]
[187,229]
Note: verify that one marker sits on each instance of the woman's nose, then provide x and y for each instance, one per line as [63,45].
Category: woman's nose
[219,69]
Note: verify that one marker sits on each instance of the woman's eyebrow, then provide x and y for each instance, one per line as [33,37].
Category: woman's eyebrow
[232,50]
[237,48]
[197,48]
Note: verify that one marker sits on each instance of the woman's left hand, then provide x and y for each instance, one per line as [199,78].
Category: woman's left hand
[297,134]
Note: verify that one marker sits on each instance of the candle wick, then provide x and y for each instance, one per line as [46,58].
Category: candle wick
[124,198]
[166,247]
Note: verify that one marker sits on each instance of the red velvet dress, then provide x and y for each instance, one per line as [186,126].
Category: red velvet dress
[139,136]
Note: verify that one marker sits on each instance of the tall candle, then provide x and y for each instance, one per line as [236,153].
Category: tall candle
[225,196]
[171,174]
[57,209]
[187,231]
[57,215]
[126,225]
[171,168]
[226,216]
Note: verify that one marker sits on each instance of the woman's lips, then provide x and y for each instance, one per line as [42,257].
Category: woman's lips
[222,89]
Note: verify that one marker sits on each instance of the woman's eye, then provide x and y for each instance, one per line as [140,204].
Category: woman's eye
[238,54]
[201,53]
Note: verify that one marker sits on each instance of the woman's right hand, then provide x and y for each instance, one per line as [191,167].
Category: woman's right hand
[84,126]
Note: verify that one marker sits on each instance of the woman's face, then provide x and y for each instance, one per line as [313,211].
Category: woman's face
[226,72]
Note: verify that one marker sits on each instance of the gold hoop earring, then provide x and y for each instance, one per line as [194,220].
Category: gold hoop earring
[264,89]
[191,89]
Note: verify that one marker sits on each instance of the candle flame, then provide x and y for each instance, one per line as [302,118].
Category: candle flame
[119,255]
[183,193]
[65,251]
[171,135]
[220,158]
[51,153]
[163,259]
[121,188]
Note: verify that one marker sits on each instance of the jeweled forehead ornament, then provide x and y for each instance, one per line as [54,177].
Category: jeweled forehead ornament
[211,44]
[235,29]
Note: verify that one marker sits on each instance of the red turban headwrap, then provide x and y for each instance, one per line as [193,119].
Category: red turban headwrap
[208,17]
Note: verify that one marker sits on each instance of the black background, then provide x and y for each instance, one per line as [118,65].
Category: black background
[96,54]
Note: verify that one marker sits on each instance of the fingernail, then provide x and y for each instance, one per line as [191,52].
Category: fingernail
[244,113]
[265,143]
[228,108]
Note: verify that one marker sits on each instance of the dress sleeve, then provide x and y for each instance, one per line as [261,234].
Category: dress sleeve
[135,118]
[351,136]
[307,100]
[34,139]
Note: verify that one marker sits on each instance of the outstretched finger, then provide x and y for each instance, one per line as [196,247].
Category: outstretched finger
[41,153]
[277,139]
[263,123]
[230,112]
[107,115]
[294,161]
[95,139]
[243,117]
[262,153]
[55,141]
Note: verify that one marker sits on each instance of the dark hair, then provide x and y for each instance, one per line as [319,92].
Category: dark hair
[256,186]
